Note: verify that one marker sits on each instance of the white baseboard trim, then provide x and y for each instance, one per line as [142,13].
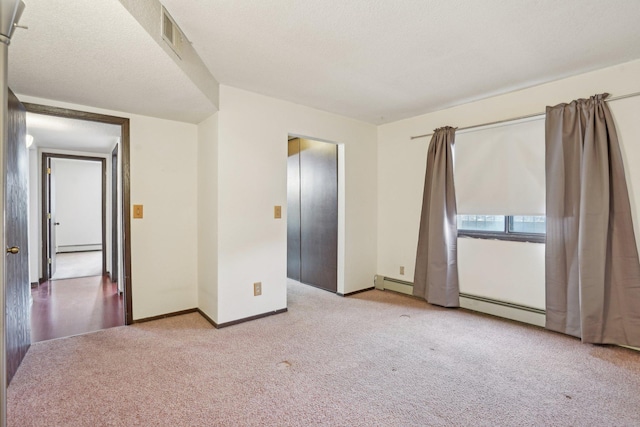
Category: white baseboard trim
[520,313]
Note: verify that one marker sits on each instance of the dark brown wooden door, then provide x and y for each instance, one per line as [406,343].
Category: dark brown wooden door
[293,210]
[48,219]
[16,236]
[318,214]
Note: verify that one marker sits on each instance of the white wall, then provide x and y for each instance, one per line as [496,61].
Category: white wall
[519,278]
[78,204]
[208,216]
[163,179]
[252,179]
[520,282]
[163,243]
[626,115]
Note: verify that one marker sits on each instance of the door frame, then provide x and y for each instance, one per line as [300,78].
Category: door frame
[46,221]
[125,176]
[341,178]
[115,264]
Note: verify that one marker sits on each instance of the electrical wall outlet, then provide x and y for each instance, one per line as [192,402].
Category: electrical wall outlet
[257,289]
[402,270]
[277,212]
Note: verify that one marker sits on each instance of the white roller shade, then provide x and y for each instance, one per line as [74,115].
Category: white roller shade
[499,169]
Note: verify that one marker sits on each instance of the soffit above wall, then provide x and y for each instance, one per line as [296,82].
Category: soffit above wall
[95,53]
[384,60]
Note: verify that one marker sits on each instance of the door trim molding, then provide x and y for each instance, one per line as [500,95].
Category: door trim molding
[45,199]
[115,237]
[125,176]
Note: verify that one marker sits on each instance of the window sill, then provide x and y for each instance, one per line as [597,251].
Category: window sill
[511,237]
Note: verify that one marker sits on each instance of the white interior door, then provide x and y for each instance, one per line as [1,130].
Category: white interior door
[51,216]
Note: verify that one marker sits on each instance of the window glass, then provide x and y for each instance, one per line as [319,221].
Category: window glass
[522,228]
[481,222]
[528,224]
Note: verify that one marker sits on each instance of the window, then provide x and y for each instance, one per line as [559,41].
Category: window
[499,171]
[523,228]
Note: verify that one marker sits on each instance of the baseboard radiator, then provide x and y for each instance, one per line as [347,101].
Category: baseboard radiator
[507,310]
[79,248]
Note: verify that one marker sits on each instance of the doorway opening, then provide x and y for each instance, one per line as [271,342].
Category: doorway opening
[312,213]
[74,204]
[80,265]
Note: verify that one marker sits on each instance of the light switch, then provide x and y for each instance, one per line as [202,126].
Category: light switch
[277,212]
[137,211]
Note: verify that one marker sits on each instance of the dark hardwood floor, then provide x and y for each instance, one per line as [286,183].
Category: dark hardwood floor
[66,307]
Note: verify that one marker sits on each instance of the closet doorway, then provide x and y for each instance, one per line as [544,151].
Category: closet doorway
[312,213]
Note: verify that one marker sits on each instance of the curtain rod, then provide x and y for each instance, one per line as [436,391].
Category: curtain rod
[528,116]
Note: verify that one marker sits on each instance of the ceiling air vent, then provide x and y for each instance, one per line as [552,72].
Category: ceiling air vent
[171,33]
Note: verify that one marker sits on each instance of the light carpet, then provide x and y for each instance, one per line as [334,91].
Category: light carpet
[374,359]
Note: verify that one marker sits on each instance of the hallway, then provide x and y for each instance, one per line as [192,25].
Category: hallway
[66,307]
[78,264]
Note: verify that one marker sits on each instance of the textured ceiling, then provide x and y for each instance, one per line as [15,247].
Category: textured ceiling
[383,60]
[70,134]
[374,60]
[95,53]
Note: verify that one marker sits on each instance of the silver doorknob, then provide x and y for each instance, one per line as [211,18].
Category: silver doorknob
[13,250]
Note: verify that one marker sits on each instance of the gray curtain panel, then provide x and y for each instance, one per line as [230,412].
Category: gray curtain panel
[592,268]
[436,273]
